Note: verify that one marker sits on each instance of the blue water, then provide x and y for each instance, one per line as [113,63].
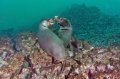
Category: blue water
[24,15]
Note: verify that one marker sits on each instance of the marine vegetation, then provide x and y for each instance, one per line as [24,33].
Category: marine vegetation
[93,25]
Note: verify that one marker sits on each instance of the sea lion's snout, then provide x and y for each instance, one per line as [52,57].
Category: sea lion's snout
[50,22]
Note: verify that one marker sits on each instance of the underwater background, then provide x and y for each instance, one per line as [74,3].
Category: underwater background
[96,21]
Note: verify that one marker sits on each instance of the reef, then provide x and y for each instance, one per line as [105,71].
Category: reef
[22,58]
[93,25]
[25,42]
[31,62]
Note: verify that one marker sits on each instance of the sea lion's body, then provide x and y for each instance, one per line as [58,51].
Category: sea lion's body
[51,43]
[66,36]
[65,31]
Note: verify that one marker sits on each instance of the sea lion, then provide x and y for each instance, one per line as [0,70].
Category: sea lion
[49,41]
[65,31]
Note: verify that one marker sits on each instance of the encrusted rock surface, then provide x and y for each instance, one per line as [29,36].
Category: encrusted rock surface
[89,63]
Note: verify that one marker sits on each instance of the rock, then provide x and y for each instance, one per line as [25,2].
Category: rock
[26,42]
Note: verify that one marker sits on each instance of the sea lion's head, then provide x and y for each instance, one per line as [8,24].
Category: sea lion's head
[61,21]
[46,23]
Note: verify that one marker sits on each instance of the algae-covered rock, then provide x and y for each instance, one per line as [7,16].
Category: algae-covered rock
[29,61]
[26,42]
[38,64]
